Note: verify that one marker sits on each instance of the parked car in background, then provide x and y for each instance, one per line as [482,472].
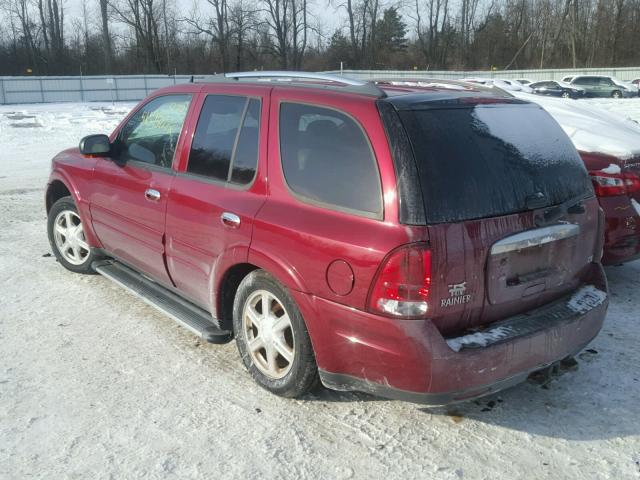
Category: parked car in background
[503,84]
[370,257]
[610,148]
[603,86]
[523,81]
[555,88]
[568,78]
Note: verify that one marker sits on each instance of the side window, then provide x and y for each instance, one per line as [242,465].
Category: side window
[151,135]
[225,144]
[327,158]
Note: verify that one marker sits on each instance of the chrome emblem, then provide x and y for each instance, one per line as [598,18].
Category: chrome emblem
[457,295]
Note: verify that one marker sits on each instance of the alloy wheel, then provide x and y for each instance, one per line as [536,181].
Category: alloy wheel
[69,238]
[269,334]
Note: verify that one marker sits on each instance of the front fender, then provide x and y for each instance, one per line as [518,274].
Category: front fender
[79,198]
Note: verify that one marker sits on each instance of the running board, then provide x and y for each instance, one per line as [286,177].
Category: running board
[182,311]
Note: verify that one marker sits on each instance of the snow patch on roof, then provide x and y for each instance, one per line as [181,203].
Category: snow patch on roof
[591,129]
[612,169]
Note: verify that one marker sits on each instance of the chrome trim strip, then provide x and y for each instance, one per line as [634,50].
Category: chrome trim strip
[535,238]
[307,75]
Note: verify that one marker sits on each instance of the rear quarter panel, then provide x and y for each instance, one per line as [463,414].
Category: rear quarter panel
[298,241]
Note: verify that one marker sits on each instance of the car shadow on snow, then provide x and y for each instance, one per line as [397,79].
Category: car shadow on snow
[596,398]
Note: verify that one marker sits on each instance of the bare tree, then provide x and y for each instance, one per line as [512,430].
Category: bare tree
[106,37]
[217,27]
[143,17]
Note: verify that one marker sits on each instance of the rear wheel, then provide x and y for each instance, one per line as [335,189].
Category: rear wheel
[67,238]
[616,94]
[272,337]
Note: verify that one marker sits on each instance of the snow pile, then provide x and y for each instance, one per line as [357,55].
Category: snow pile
[585,299]
[479,338]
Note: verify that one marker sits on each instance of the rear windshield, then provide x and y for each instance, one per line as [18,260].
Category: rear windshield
[492,159]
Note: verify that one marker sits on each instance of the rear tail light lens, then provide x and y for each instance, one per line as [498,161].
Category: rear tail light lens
[402,284]
[609,185]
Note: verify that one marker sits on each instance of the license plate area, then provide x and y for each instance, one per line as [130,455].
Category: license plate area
[529,263]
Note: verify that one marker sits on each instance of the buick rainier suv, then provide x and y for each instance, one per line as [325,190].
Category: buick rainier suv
[431,243]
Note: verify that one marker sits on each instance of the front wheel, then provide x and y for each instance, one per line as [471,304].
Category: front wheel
[616,94]
[272,337]
[67,239]
[566,95]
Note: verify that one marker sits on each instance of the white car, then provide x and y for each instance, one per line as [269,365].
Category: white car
[503,83]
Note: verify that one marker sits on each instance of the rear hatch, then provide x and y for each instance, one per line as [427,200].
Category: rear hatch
[509,207]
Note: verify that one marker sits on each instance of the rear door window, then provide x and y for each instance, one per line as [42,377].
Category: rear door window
[327,159]
[225,143]
[489,160]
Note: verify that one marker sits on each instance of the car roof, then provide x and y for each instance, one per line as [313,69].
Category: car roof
[407,94]
[401,92]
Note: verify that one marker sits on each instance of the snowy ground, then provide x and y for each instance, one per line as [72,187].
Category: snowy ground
[95,384]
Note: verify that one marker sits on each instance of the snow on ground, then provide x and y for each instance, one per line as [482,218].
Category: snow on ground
[95,384]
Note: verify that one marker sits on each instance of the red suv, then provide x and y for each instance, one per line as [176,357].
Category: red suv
[420,243]
[617,185]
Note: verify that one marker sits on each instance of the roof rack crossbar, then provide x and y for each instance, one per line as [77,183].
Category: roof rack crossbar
[298,75]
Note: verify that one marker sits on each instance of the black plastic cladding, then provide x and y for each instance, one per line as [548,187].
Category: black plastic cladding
[411,211]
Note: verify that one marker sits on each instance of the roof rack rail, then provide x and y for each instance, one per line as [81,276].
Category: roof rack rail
[350,84]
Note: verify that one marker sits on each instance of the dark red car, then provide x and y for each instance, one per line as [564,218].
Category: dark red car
[423,243]
[617,185]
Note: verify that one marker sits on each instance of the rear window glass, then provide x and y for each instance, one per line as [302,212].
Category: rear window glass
[491,160]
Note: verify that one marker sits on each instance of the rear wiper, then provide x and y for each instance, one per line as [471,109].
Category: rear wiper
[572,206]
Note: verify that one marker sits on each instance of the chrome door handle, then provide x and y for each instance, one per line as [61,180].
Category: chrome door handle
[230,220]
[152,194]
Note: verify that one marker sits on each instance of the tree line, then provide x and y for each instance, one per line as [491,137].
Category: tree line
[158,36]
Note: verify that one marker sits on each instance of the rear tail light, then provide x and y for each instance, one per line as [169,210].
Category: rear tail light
[632,182]
[612,184]
[401,286]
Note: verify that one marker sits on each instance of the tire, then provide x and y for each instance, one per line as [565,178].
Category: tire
[280,334]
[78,255]
[616,94]
[565,95]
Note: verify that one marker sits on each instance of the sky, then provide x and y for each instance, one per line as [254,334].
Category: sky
[329,17]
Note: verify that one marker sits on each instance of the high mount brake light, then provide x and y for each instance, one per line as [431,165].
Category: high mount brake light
[402,284]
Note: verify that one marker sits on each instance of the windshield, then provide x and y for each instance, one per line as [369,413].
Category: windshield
[489,160]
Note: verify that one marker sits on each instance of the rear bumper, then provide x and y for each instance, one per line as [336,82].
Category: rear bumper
[410,360]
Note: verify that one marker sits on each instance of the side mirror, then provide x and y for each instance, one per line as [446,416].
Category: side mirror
[95,145]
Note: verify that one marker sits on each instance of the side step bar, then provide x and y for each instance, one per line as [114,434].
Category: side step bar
[182,311]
